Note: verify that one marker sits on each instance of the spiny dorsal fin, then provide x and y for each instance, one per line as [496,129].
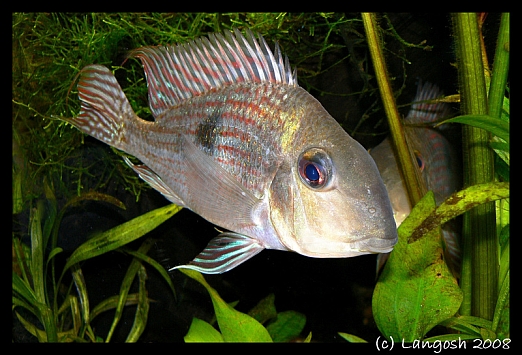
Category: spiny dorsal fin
[177,73]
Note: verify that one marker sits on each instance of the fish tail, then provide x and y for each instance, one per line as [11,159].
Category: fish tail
[104,106]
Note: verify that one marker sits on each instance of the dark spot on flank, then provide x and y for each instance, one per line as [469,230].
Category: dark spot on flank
[208,130]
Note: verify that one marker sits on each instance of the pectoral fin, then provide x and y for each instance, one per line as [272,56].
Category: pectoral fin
[214,193]
[224,253]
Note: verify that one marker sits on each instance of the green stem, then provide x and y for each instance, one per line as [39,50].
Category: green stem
[407,161]
[479,243]
[500,69]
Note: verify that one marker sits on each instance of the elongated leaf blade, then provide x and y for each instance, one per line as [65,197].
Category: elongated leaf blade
[497,126]
[122,234]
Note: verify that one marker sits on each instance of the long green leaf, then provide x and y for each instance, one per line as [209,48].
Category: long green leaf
[122,234]
[81,288]
[21,288]
[159,268]
[497,126]
[111,303]
[128,279]
[142,311]
[234,325]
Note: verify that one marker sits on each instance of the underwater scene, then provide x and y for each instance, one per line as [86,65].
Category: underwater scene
[261,177]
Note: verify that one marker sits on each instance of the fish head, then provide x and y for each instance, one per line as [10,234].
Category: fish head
[327,199]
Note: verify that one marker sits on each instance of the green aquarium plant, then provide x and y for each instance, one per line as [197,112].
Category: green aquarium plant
[416,291]
[54,310]
[50,176]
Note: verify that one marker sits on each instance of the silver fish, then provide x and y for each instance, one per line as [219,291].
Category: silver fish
[436,158]
[237,141]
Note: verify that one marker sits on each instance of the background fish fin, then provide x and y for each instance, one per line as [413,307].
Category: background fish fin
[423,112]
[155,181]
[213,192]
[224,253]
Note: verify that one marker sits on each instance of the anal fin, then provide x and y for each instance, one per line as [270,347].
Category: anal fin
[224,253]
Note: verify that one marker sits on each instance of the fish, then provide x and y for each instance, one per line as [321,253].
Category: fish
[237,141]
[437,161]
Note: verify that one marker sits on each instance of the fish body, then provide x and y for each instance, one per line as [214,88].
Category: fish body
[237,141]
[436,158]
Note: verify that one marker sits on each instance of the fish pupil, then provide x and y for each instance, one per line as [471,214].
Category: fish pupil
[312,173]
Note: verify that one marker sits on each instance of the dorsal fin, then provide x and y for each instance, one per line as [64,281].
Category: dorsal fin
[177,73]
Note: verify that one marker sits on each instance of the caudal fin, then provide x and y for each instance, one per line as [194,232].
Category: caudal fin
[104,106]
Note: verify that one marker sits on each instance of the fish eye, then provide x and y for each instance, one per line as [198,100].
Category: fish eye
[315,168]
[420,160]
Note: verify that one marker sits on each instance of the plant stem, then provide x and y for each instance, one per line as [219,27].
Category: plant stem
[407,161]
[479,243]
[500,69]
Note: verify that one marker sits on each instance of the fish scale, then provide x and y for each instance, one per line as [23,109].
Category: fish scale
[237,141]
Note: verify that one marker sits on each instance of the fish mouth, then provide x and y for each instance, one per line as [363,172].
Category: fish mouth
[376,246]
[383,242]
[344,249]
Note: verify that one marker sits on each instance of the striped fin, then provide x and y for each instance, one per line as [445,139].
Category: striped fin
[177,73]
[104,106]
[422,112]
[224,253]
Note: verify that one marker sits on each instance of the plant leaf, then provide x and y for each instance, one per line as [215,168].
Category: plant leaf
[287,326]
[416,290]
[458,203]
[122,234]
[264,310]
[142,311]
[202,332]
[352,338]
[234,325]
[497,126]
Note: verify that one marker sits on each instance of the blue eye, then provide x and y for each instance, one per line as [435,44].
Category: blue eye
[315,168]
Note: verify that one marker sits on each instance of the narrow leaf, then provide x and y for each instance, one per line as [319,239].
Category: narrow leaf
[142,311]
[351,338]
[122,234]
[496,126]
